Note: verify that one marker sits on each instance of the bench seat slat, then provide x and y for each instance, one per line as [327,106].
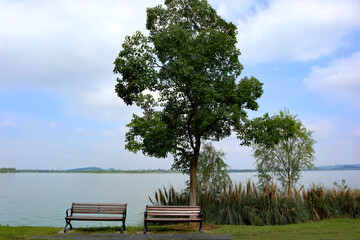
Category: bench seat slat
[94,218]
[173,206]
[98,208]
[120,211]
[173,214]
[99,212]
[102,207]
[99,204]
[174,209]
[173,219]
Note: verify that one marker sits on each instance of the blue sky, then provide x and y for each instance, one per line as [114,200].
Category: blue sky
[59,110]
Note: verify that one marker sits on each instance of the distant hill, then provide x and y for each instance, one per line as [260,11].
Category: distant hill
[112,170]
[339,167]
[84,169]
[317,168]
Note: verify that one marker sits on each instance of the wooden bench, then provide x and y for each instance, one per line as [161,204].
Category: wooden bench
[79,211]
[172,214]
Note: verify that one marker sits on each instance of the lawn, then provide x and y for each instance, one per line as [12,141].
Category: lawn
[21,233]
[341,229]
[327,229]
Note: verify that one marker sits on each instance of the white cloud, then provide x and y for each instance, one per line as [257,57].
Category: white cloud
[100,102]
[340,79]
[321,128]
[68,47]
[231,9]
[298,30]
[57,43]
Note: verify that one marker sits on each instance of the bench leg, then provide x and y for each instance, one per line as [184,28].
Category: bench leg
[67,223]
[123,228]
[200,228]
[145,227]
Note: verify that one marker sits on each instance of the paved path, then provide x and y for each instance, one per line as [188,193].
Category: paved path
[125,236]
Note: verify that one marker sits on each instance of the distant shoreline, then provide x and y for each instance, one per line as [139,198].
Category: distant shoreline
[4,170]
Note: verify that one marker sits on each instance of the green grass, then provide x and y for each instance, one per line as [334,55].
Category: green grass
[341,229]
[22,233]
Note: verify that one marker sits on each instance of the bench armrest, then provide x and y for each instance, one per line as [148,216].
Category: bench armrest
[67,212]
[145,215]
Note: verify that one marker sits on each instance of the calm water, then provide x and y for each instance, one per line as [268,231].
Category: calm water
[41,199]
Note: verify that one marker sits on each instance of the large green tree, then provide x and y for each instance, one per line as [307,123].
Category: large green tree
[190,61]
[293,152]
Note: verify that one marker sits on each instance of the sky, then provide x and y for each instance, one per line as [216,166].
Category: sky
[59,110]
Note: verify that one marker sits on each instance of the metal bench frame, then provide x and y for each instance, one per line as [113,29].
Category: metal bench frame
[173,214]
[82,209]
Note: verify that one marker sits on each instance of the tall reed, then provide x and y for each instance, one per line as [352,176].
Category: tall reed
[327,203]
[248,205]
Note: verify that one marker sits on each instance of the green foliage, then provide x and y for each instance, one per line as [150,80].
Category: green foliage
[212,170]
[190,60]
[267,130]
[342,185]
[7,170]
[293,153]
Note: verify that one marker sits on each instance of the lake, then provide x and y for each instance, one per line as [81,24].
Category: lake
[41,199]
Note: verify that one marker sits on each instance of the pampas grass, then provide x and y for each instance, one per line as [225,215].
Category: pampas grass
[240,204]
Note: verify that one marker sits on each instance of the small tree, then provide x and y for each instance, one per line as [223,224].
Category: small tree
[212,170]
[190,58]
[293,153]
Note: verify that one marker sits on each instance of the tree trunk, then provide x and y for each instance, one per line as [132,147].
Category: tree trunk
[289,186]
[193,167]
[193,181]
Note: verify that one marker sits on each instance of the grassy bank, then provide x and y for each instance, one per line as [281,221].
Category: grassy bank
[22,233]
[327,229]
[341,229]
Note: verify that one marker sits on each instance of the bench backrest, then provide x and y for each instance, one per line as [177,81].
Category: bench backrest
[173,210]
[99,208]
